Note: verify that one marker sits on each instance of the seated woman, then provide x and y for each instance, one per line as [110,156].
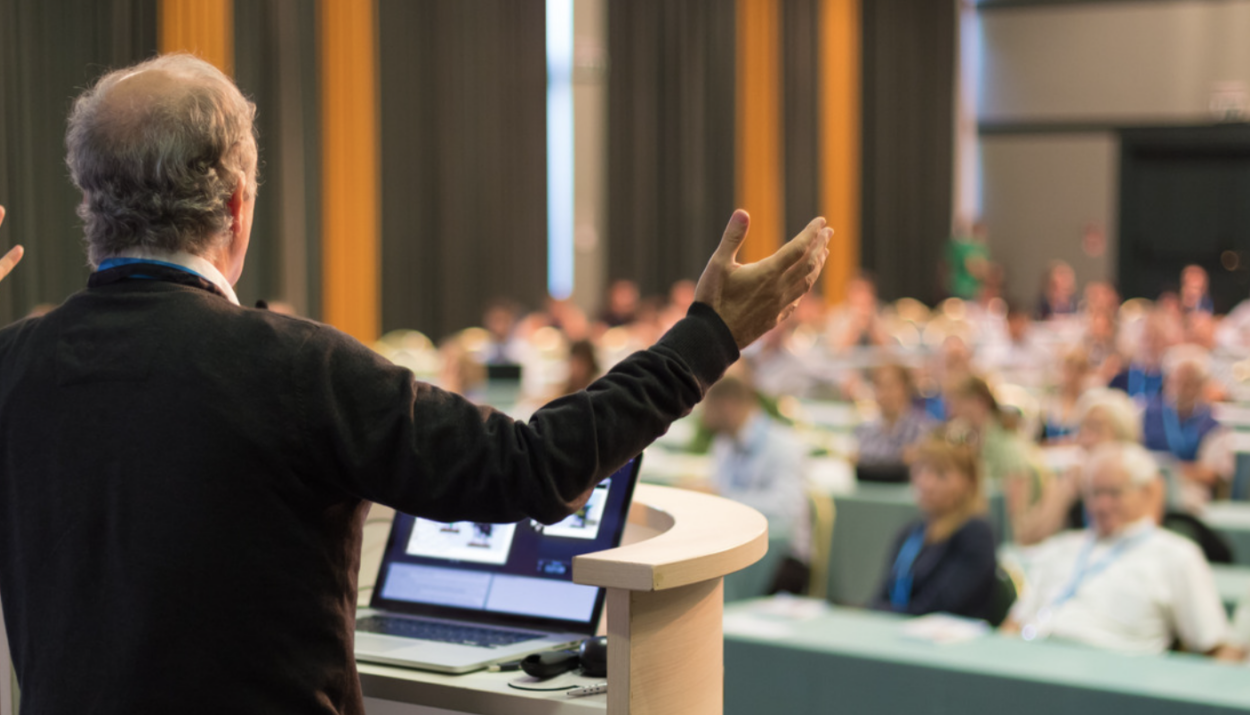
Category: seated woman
[944,562]
[887,439]
[1060,412]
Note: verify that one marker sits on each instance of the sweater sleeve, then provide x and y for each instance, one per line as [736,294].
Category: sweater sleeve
[961,582]
[374,431]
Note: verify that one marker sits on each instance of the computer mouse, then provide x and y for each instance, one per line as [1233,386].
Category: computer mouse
[594,657]
[549,664]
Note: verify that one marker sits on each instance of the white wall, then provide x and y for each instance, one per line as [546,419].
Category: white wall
[1102,64]
[1124,61]
[1039,194]
[590,152]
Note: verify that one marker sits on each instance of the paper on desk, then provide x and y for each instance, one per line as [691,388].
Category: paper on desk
[748,624]
[790,607]
[944,629]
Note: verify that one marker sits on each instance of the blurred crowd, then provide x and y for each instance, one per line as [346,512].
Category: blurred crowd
[1089,418]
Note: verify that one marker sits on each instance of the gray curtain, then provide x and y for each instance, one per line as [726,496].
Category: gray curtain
[463,86]
[800,61]
[670,137]
[909,55]
[49,51]
[275,64]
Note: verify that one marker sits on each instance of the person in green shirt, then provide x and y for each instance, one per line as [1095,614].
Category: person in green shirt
[967,261]
[1003,453]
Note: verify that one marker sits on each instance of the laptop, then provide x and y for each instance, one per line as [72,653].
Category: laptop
[883,473]
[458,597]
[503,383]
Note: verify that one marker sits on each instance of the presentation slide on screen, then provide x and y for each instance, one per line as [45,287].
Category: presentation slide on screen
[584,523]
[462,541]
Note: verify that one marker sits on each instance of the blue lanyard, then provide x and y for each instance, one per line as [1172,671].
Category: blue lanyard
[900,589]
[115,262]
[1183,439]
[1085,570]
[1140,385]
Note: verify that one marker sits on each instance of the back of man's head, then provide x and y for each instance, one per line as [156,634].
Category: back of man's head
[157,150]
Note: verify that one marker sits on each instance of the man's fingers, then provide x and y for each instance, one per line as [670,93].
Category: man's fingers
[11,258]
[1,215]
[810,260]
[731,240]
[798,247]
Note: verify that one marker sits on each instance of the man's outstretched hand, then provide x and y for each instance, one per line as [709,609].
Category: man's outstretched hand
[10,259]
[753,298]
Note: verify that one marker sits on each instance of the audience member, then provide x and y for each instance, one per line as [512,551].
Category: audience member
[1002,453]
[1143,378]
[1101,343]
[1106,416]
[1179,424]
[1100,297]
[500,321]
[1022,359]
[583,366]
[1195,294]
[680,298]
[777,368]
[1061,411]
[856,323]
[946,371]
[945,561]
[1058,297]
[967,262]
[757,460]
[622,308]
[1124,584]
[899,425]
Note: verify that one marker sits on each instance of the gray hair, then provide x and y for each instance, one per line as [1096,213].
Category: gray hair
[158,160]
[1195,356]
[1118,407]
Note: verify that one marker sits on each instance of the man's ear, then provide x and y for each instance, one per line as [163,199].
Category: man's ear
[236,201]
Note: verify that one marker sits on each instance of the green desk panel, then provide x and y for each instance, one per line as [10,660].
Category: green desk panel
[861,663]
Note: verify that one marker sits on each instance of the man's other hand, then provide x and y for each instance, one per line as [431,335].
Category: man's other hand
[753,298]
[11,258]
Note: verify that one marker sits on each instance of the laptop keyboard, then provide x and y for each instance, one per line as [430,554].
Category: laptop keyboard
[442,632]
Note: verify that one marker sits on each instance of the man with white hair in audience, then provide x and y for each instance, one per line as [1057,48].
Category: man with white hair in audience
[1179,426]
[1125,583]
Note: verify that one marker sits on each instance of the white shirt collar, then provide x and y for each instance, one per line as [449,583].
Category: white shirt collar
[1129,530]
[197,265]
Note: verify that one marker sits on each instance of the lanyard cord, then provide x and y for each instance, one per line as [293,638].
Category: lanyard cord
[1183,439]
[1084,571]
[900,589]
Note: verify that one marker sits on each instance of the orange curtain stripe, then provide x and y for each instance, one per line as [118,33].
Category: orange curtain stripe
[759,183]
[351,288]
[204,28]
[840,136]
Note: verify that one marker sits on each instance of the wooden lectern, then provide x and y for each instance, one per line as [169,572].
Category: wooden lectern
[666,599]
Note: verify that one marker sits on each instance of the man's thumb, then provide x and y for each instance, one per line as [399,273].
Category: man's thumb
[735,233]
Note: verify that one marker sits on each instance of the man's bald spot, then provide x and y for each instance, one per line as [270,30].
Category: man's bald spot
[145,96]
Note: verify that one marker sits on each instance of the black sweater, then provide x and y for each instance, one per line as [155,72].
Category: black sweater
[953,576]
[184,483]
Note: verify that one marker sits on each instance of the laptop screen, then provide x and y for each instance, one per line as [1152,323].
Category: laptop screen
[518,573]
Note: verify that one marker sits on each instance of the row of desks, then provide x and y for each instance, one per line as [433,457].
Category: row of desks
[858,662]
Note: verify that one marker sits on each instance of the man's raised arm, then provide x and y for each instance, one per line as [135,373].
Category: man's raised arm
[435,454]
